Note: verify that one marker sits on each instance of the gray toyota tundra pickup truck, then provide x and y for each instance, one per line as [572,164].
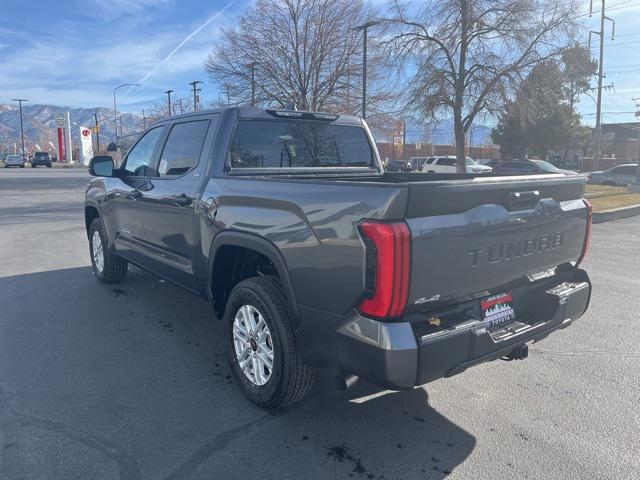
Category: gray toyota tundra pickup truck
[314,257]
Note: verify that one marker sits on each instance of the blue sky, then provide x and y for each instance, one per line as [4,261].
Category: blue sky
[72,52]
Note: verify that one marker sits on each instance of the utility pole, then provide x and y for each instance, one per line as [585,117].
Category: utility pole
[637,100]
[95,116]
[404,140]
[364,28]
[20,100]
[181,110]
[144,120]
[603,17]
[169,92]
[194,85]
[348,87]
[252,66]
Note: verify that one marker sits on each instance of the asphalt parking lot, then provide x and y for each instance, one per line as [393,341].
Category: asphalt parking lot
[131,381]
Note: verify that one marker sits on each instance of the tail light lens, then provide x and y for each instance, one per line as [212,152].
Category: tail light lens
[587,235]
[388,268]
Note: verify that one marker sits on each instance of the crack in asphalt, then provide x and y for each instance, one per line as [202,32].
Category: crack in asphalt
[11,422]
[219,442]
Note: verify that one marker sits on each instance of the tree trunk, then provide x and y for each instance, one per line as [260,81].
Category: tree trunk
[460,142]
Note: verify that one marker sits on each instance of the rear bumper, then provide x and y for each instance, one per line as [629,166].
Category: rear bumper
[405,354]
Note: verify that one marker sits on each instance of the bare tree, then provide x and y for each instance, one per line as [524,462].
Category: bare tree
[466,55]
[301,51]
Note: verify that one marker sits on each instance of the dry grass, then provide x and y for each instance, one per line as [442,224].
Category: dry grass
[603,197]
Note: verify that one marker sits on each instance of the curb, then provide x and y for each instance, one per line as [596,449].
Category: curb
[68,166]
[616,214]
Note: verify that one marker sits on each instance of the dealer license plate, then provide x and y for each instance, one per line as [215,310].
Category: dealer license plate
[497,311]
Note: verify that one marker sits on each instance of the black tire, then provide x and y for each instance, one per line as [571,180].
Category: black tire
[49,166]
[115,267]
[291,380]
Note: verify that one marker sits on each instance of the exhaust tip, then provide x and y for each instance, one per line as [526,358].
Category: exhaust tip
[343,381]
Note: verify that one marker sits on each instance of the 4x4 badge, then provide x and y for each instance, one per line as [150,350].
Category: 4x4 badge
[422,300]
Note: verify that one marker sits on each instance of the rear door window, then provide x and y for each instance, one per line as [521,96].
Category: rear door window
[183,147]
[299,144]
[447,162]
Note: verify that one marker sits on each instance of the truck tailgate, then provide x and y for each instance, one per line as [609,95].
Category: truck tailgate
[472,237]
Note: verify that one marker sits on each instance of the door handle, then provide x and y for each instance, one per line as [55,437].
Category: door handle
[182,200]
[210,209]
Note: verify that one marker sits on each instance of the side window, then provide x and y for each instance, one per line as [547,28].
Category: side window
[627,170]
[141,154]
[182,148]
[447,162]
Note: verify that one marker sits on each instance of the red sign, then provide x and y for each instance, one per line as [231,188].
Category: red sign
[61,153]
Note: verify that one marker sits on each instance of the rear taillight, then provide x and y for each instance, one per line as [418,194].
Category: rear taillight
[587,234]
[387,268]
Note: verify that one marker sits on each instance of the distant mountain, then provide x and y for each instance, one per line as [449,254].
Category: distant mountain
[40,123]
[441,133]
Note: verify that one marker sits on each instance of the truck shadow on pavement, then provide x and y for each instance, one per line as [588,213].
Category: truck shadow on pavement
[131,380]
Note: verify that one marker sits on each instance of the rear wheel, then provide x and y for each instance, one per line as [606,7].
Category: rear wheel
[262,349]
[107,267]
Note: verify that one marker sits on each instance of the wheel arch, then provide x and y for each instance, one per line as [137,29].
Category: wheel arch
[91,212]
[247,242]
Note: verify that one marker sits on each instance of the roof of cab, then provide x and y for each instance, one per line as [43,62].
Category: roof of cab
[259,113]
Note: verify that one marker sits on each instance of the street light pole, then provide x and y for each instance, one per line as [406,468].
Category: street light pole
[115,108]
[20,100]
[95,116]
[364,28]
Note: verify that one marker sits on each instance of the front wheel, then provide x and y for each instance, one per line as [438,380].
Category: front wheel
[107,267]
[262,349]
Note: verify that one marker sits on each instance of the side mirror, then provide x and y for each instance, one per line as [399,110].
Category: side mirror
[101,166]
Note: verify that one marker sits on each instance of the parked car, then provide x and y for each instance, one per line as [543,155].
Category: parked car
[450,165]
[14,161]
[487,162]
[528,167]
[622,175]
[418,162]
[41,158]
[399,166]
[314,257]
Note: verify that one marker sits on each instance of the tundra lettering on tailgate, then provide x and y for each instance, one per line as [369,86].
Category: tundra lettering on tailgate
[513,249]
